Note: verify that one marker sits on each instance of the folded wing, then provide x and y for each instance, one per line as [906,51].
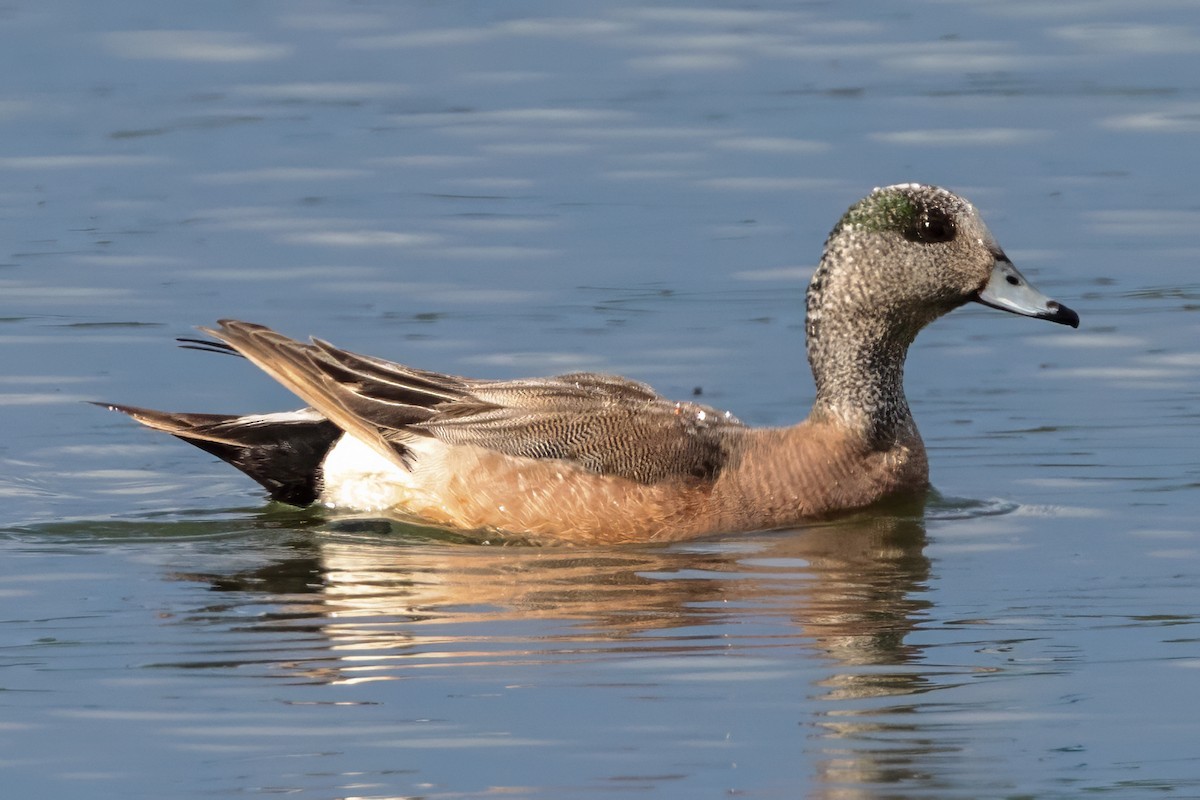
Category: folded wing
[605,424]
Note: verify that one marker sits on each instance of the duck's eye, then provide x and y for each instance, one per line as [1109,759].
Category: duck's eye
[932,227]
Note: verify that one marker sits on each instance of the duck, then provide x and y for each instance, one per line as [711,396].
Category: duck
[592,458]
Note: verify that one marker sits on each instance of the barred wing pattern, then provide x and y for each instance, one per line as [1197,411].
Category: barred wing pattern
[605,424]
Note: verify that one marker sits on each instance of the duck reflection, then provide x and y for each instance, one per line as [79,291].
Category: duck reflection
[384,599]
[363,601]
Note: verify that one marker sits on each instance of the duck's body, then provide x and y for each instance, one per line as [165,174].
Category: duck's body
[757,488]
[597,458]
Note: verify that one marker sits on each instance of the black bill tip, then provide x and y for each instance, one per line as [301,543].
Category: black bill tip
[1061,314]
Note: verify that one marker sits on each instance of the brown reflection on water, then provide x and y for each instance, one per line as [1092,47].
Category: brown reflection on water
[849,590]
[364,606]
[361,606]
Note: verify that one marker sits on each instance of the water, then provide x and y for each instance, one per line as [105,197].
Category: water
[522,188]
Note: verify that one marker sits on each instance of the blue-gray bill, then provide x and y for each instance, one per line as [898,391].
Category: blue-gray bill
[1008,290]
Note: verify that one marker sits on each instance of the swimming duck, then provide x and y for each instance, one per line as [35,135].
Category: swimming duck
[586,457]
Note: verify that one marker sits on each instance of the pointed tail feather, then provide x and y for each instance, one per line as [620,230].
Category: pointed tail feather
[206,346]
[282,452]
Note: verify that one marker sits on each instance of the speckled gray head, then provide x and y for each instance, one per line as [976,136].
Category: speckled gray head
[898,259]
[909,253]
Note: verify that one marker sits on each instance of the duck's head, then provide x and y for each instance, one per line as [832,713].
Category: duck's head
[906,254]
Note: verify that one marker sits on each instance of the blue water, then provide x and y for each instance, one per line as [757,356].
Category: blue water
[523,188]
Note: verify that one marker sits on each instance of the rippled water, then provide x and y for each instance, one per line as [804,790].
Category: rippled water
[520,188]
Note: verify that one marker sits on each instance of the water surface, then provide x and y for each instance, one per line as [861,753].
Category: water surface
[523,188]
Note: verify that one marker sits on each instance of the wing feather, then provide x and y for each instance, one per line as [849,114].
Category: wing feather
[603,423]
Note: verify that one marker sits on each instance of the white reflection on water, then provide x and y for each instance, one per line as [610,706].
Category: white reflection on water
[322,91]
[687,62]
[963,137]
[1143,222]
[362,238]
[970,59]
[538,149]
[1066,512]
[56,380]
[39,398]
[426,38]
[344,19]
[433,292]
[774,145]
[268,218]
[431,161]
[655,175]
[543,362]
[107,450]
[130,260]
[495,222]
[1129,376]
[556,116]
[1084,9]
[16,108]
[1122,37]
[638,132]
[81,161]
[771,184]
[1086,339]
[268,174]
[718,17]
[193,45]
[1175,553]
[493,183]
[65,294]
[789,274]
[273,274]
[1177,118]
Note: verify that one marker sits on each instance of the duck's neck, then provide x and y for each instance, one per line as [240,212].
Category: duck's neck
[860,383]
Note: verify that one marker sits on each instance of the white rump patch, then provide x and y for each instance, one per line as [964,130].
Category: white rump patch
[358,478]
